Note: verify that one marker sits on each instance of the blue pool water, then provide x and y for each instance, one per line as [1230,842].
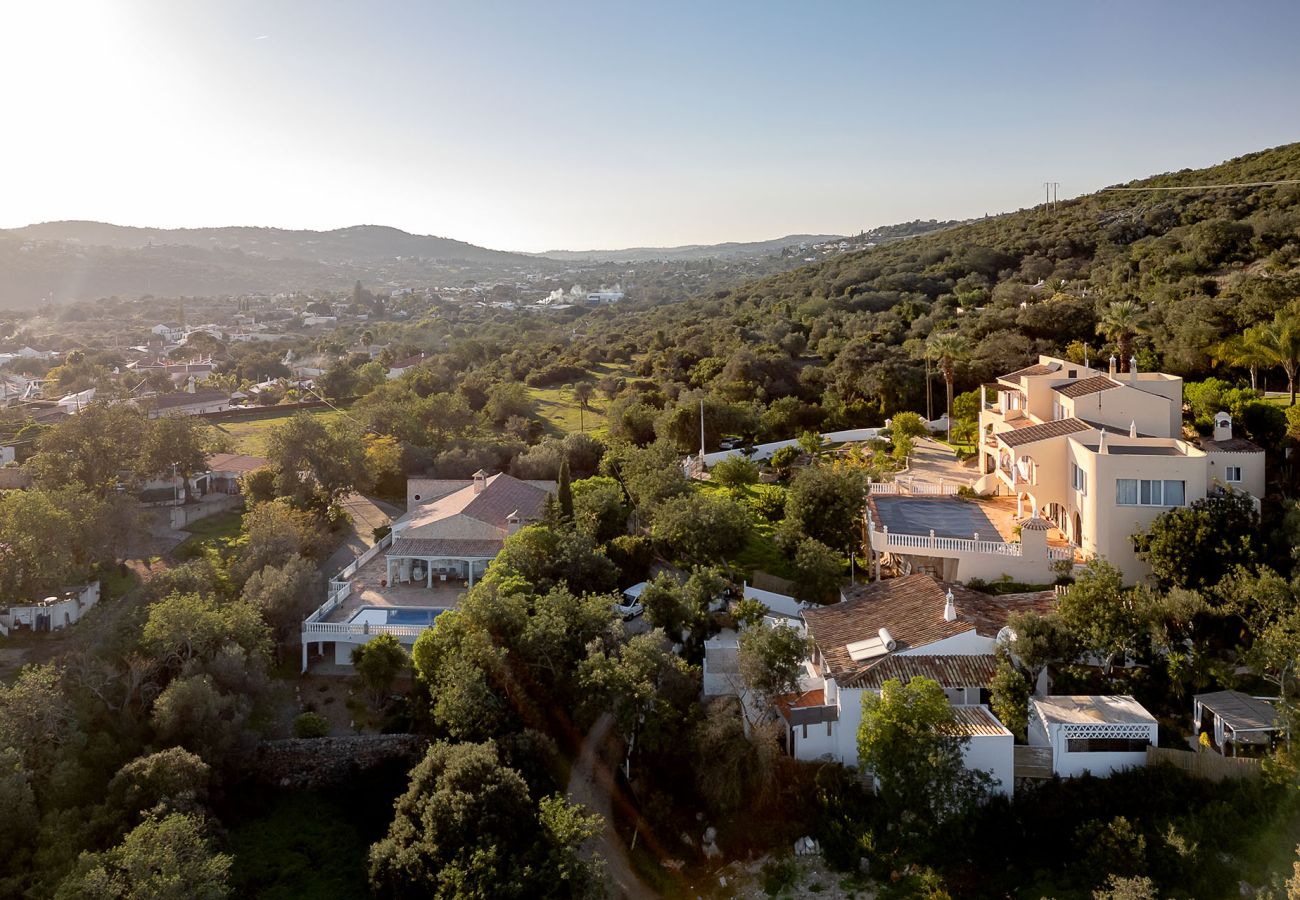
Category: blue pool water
[412,616]
[395,615]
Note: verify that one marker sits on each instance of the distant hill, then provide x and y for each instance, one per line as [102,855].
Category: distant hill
[74,260]
[728,250]
[358,243]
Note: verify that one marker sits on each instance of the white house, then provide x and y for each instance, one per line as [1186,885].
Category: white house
[402,366]
[1101,734]
[189,403]
[456,534]
[170,333]
[900,628]
[52,613]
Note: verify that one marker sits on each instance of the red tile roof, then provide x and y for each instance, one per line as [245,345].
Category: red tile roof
[1043,432]
[1086,386]
[949,671]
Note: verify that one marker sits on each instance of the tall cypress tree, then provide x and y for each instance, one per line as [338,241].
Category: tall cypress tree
[565,492]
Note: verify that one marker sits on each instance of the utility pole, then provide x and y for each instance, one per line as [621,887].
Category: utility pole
[1049,195]
[701,431]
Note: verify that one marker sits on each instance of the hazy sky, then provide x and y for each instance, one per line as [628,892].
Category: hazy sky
[535,125]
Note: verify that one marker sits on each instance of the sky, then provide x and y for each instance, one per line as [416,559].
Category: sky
[576,125]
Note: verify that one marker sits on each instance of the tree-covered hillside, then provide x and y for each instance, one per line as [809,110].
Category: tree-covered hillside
[1204,264]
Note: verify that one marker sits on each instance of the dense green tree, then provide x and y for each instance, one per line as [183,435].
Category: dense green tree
[379,662]
[818,571]
[564,492]
[94,449]
[1009,698]
[185,627]
[467,827]
[735,471]
[826,503]
[195,713]
[546,558]
[1101,616]
[651,691]
[273,533]
[701,528]
[167,858]
[907,740]
[1192,546]
[285,594]
[316,463]
[598,509]
[771,659]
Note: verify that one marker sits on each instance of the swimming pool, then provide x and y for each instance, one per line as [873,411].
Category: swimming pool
[396,615]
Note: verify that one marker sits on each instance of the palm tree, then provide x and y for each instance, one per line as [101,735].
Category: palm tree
[1120,323]
[1248,350]
[948,348]
[1281,337]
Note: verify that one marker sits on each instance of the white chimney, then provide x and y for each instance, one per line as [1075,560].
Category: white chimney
[1222,426]
[949,607]
[1133,429]
[1101,442]
[190,385]
[1133,368]
[480,481]
[1113,364]
[513,522]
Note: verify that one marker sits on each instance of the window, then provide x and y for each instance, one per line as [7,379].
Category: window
[1149,492]
[1106,745]
[1233,473]
[829,723]
[1078,479]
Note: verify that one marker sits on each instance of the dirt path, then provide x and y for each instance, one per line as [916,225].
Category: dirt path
[591,783]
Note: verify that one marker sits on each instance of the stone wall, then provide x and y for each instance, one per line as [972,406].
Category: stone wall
[321,762]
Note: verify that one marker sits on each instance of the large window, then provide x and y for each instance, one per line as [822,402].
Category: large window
[1150,492]
[1106,745]
[1233,473]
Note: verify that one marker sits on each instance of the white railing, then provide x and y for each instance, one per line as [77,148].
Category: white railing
[909,485]
[336,628]
[887,540]
[1056,554]
[355,566]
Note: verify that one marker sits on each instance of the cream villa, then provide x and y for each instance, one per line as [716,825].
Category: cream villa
[455,528]
[1097,456]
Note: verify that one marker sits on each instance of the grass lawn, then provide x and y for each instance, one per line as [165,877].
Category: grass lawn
[250,436]
[760,551]
[563,415]
[214,531]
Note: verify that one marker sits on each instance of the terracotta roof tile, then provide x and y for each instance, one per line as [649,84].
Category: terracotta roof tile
[949,671]
[911,608]
[501,496]
[446,548]
[1086,386]
[1232,445]
[1043,432]
[236,462]
[976,721]
[1036,369]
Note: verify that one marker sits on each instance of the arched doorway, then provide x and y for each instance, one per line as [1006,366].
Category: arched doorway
[1076,532]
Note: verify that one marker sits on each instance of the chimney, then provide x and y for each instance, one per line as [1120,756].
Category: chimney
[1133,369]
[480,481]
[1222,426]
[1113,363]
[513,522]
[1101,442]
[1133,429]
[949,607]
[190,385]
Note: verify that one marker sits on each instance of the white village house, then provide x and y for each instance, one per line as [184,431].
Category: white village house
[1100,734]
[903,628]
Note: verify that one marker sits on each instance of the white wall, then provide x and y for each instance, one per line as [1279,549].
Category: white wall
[818,745]
[968,643]
[994,754]
[1069,765]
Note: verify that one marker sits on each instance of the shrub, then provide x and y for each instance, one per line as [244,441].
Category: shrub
[310,725]
[735,471]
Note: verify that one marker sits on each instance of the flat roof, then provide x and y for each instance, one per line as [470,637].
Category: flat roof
[948,516]
[1083,709]
[1240,712]
[1131,450]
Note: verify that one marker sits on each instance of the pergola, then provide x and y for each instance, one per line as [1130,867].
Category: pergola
[1237,718]
[440,557]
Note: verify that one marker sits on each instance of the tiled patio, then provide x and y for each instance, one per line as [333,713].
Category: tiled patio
[367,591]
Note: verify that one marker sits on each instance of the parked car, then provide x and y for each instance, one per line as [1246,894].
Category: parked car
[631,606]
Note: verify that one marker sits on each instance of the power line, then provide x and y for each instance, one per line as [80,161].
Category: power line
[1206,187]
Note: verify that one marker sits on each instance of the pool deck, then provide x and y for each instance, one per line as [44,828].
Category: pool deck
[367,591]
